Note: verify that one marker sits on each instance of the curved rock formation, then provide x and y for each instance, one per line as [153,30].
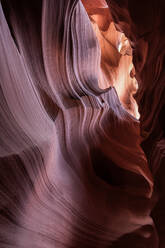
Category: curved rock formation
[77,167]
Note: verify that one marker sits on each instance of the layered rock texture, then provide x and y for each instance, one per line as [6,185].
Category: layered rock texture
[82,124]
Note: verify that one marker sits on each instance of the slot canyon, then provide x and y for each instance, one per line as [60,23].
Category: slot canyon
[82,126]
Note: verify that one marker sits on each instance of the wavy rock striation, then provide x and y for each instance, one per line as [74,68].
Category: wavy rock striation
[77,169]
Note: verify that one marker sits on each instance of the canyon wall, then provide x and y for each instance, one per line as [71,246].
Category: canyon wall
[78,168]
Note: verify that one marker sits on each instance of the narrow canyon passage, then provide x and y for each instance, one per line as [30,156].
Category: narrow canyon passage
[117,69]
[82,124]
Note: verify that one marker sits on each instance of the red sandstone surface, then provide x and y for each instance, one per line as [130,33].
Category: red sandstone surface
[82,124]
